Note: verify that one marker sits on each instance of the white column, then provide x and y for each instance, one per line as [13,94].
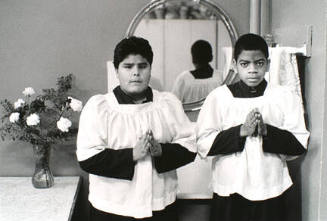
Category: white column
[255,16]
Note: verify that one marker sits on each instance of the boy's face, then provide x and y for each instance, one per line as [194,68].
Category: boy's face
[134,74]
[251,67]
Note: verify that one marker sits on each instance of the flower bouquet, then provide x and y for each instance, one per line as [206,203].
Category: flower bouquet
[41,120]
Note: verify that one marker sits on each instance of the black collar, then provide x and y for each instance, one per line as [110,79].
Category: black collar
[203,72]
[123,98]
[241,90]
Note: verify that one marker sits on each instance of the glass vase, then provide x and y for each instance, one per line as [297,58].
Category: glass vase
[42,177]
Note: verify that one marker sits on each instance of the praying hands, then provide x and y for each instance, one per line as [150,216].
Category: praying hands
[253,125]
[145,145]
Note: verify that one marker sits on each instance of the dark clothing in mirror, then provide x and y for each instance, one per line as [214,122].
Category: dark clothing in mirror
[202,72]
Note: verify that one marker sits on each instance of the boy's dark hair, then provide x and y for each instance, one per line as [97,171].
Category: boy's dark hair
[201,52]
[250,42]
[132,45]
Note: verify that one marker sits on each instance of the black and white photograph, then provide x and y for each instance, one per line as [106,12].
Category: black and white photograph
[163,110]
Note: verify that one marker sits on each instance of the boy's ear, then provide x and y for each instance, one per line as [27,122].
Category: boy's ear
[234,62]
[233,65]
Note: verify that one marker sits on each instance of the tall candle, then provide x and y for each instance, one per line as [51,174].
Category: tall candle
[255,16]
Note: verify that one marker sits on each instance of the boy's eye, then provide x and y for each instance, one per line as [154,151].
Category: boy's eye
[127,66]
[260,63]
[142,66]
[244,65]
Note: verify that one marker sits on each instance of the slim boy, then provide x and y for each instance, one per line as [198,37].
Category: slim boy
[251,128]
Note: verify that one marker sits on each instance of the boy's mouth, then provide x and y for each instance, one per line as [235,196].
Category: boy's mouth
[253,79]
[136,81]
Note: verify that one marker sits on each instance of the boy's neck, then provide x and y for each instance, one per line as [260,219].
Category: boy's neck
[241,90]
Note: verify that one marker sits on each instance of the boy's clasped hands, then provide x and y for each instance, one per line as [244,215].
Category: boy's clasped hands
[145,145]
[253,125]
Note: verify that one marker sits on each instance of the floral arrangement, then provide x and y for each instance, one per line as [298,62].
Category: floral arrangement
[42,119]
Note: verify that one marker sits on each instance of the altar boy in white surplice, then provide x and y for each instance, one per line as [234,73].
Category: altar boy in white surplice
[131,140]
[251,128]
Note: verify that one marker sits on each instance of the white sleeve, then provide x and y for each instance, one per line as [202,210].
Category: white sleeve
[294,118]
[207,125]
[179,124]
[92,131]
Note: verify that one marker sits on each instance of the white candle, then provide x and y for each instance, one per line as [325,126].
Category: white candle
[255,16]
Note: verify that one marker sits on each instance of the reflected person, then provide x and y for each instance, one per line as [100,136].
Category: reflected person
[251,128]
[131,140]
[194,85]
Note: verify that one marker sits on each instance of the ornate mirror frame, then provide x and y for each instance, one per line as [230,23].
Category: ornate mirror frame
[214,7]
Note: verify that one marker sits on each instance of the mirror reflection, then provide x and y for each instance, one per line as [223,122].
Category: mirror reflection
[194,85]
[172,27]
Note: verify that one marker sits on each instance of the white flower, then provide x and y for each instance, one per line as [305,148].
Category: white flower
[64,124]
[75,104]
[14,117]
[19,103]
[28,91]
[33,120]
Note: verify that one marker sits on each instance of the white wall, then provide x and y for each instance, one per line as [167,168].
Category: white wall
[289,21]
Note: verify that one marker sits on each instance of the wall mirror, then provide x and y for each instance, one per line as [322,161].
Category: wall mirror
[172,26]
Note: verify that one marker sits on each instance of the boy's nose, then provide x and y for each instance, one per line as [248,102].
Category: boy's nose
[252,67]
[136,71]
